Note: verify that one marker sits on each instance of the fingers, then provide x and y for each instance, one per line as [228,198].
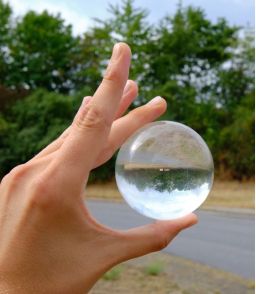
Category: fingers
[59,141]
[54,145]
[154,237]
[93,121]
[125,126]
[111,89]
[129,94]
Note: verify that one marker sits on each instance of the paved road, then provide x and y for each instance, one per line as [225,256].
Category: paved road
[220,240]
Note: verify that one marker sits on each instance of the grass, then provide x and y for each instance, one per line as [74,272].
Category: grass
[154,268]
[251,285]
[229,194]
[232,194]
[133,279]
[113,274]
[180,276]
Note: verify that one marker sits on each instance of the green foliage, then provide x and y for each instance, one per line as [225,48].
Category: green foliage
[34,122]
[5,13]
[237,140]
[42,53]
[204,70]
[188,43]
[103,173]
[235,94]
[155,268]
[167,179]
[5,29]
[125,24]
[90,58]
[31,124]
[113,274]
[128,24]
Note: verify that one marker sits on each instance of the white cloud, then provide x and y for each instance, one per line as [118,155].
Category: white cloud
[78,12]
[79,22]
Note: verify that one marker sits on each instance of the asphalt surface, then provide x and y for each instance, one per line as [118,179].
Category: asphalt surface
[222,240]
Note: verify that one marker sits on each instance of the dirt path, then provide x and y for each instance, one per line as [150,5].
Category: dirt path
[174,275]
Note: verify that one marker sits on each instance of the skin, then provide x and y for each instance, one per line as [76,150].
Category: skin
[50,243]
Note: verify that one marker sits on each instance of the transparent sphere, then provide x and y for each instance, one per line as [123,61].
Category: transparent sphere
[164,170]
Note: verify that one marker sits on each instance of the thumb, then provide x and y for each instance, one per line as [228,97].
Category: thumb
[154,237]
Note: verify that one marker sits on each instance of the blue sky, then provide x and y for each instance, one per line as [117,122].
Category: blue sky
[80,12]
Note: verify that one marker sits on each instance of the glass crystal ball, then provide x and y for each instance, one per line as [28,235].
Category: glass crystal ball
[164,170]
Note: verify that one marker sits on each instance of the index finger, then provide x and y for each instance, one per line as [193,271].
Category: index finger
[91,126]
[110,91]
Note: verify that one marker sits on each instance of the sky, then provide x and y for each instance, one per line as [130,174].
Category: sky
[80,13]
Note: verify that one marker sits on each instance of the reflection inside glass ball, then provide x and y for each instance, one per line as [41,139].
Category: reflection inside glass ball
[164,170]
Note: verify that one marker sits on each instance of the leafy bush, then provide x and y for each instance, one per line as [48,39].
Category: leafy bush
[34,122]
[113,274]
[237,141]
[31,124]
[154,268]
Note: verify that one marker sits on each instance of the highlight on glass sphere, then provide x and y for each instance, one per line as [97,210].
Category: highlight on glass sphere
[164,170]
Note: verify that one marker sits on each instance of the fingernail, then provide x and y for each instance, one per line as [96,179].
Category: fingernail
[86,100]
[127,87]
[116,51]
[155,100]
[115,54]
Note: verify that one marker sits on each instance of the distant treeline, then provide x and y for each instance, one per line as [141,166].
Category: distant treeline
[204,70]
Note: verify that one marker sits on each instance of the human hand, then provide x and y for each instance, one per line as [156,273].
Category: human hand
[49,241]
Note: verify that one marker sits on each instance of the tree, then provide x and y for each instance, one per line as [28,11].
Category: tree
[5,29]
[188,46]
[42,53]
[34,122]
[92,56]
[126,24]
[236,78]
[31,124]
[235,94]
